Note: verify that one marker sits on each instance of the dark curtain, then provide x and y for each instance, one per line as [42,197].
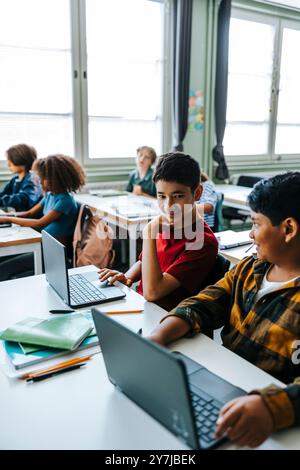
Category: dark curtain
[221,87]
[182,25]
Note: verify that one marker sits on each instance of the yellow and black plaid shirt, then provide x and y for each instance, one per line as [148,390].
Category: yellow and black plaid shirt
[262,332]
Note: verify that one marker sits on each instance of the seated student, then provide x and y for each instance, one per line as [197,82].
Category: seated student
[258,305]
[173,264]
[24,190]
[140,180]
[60,176]
[208,200]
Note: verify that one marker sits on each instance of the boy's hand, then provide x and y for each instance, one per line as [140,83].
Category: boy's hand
[247,421]
[105,273]
[137,190]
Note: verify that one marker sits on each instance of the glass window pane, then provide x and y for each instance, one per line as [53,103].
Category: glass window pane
[39,24]
[289,78]
[45,87]
[129,134]
[36,75]
[287,139]
[48,134]
[124,75]
[243,139]
[248,98]
[251,46]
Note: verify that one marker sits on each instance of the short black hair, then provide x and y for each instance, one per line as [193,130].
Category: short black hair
[278,197]
[22,155]
[178,167]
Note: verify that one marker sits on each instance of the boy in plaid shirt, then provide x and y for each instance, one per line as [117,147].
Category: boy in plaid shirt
[258,304]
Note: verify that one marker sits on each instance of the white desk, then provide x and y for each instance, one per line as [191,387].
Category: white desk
[17,240]
[234,255]
[82,409]
[108,207]
[235,196]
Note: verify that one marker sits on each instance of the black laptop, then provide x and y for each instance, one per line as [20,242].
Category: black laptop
[76,290]
[180,393]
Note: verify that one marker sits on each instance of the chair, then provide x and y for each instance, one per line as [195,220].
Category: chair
[218,216]
[230,213]
[219,270]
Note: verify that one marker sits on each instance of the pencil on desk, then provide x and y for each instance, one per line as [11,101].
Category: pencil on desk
[61,365]
[117,312]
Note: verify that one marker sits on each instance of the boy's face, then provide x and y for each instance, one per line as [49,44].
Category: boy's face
[15,168]
[143,160]
[176,201]
[269,239]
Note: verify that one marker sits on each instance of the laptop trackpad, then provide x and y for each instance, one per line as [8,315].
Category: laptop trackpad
[91,276]
[215,386]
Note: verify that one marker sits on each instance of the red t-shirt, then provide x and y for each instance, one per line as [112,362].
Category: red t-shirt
[190,267]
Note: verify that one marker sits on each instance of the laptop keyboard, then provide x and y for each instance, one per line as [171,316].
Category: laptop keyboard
[206,412]
[82,291]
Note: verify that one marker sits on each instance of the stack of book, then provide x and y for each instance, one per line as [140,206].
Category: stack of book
[34,340]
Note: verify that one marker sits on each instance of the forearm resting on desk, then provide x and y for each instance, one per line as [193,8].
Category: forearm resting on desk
[169,330]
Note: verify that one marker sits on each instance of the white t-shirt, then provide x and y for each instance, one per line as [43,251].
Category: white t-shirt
[267,286]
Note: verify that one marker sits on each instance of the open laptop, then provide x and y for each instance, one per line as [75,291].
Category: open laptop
[180,393]
[76,290]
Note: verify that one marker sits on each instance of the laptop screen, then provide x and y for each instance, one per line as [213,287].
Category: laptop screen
[149,375]
[54,254]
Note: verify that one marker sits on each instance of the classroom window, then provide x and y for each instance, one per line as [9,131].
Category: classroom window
[124,76]
[35,80]
[82,77]
[263,120]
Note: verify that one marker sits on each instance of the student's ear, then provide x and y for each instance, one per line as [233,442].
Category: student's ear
[291,228]
[198,192]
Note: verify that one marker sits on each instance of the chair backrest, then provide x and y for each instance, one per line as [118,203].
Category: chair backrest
[218,217]
[219,270]
[92,241]
[248,180]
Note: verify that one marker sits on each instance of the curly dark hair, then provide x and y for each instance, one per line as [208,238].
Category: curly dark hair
[22,155]
[178,167]
[277,197]
[62,173]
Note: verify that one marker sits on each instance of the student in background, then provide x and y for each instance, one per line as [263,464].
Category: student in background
[208,200]
[258,305]
[172,266]
[24,190]
[140,180]
[60,176]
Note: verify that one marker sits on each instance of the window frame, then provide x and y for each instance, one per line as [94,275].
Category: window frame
[105,168]
[281,18]
[107,164]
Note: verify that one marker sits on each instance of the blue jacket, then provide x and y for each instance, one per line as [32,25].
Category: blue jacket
[21,195]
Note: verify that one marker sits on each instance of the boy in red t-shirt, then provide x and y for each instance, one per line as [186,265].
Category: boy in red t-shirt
[179,249]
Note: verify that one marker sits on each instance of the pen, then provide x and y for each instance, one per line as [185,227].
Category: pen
[61,365]
[251,246]
[113,312]
[38,378]
[61,311]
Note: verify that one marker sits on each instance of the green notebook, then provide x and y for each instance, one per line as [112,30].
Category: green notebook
[65,332]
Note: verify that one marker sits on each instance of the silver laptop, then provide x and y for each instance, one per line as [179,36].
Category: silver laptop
[180,393]
[76,290]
